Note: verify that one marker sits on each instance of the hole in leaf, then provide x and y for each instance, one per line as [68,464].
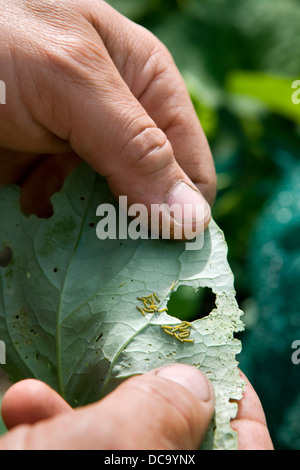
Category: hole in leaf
[6,256]
[188,304]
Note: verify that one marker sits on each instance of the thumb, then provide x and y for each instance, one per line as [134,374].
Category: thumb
[138,161]
[169,408]
[30,401]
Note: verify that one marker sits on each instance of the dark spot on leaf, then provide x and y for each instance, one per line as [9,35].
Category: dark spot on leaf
[82,198]
[92,224]
[6,256]
[55,270]
[98,337]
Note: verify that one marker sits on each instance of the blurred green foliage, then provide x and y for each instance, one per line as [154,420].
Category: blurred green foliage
[239,59]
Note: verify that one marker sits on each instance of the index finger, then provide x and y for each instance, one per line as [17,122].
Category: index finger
[148,69]
[250,422]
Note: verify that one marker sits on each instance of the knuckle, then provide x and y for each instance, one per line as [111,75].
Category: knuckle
[68,48]
[147,59]
[156,49]
[150,151]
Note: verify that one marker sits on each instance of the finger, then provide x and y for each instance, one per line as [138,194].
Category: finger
[250,422]
[30,401]
[115,134]
[169,408]
[152,76]
[15,165]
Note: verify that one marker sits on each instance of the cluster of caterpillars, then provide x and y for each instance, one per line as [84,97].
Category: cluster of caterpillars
[181,331]
[150,305]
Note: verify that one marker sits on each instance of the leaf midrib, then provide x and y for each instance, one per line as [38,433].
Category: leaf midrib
[59,309]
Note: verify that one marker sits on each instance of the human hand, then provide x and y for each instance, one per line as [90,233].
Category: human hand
[166,409]
[84,81]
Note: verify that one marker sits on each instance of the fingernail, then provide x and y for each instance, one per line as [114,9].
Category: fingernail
[190,378]
[192,207]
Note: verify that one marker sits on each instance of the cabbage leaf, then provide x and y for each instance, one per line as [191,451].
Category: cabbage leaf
[68,303]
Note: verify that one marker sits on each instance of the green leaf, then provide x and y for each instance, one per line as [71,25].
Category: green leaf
[275,92]
[68,305]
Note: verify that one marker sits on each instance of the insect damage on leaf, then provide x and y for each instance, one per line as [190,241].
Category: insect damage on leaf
[180,332]
[81,299]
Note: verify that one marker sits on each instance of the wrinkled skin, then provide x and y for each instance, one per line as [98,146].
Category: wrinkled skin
[83,79]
